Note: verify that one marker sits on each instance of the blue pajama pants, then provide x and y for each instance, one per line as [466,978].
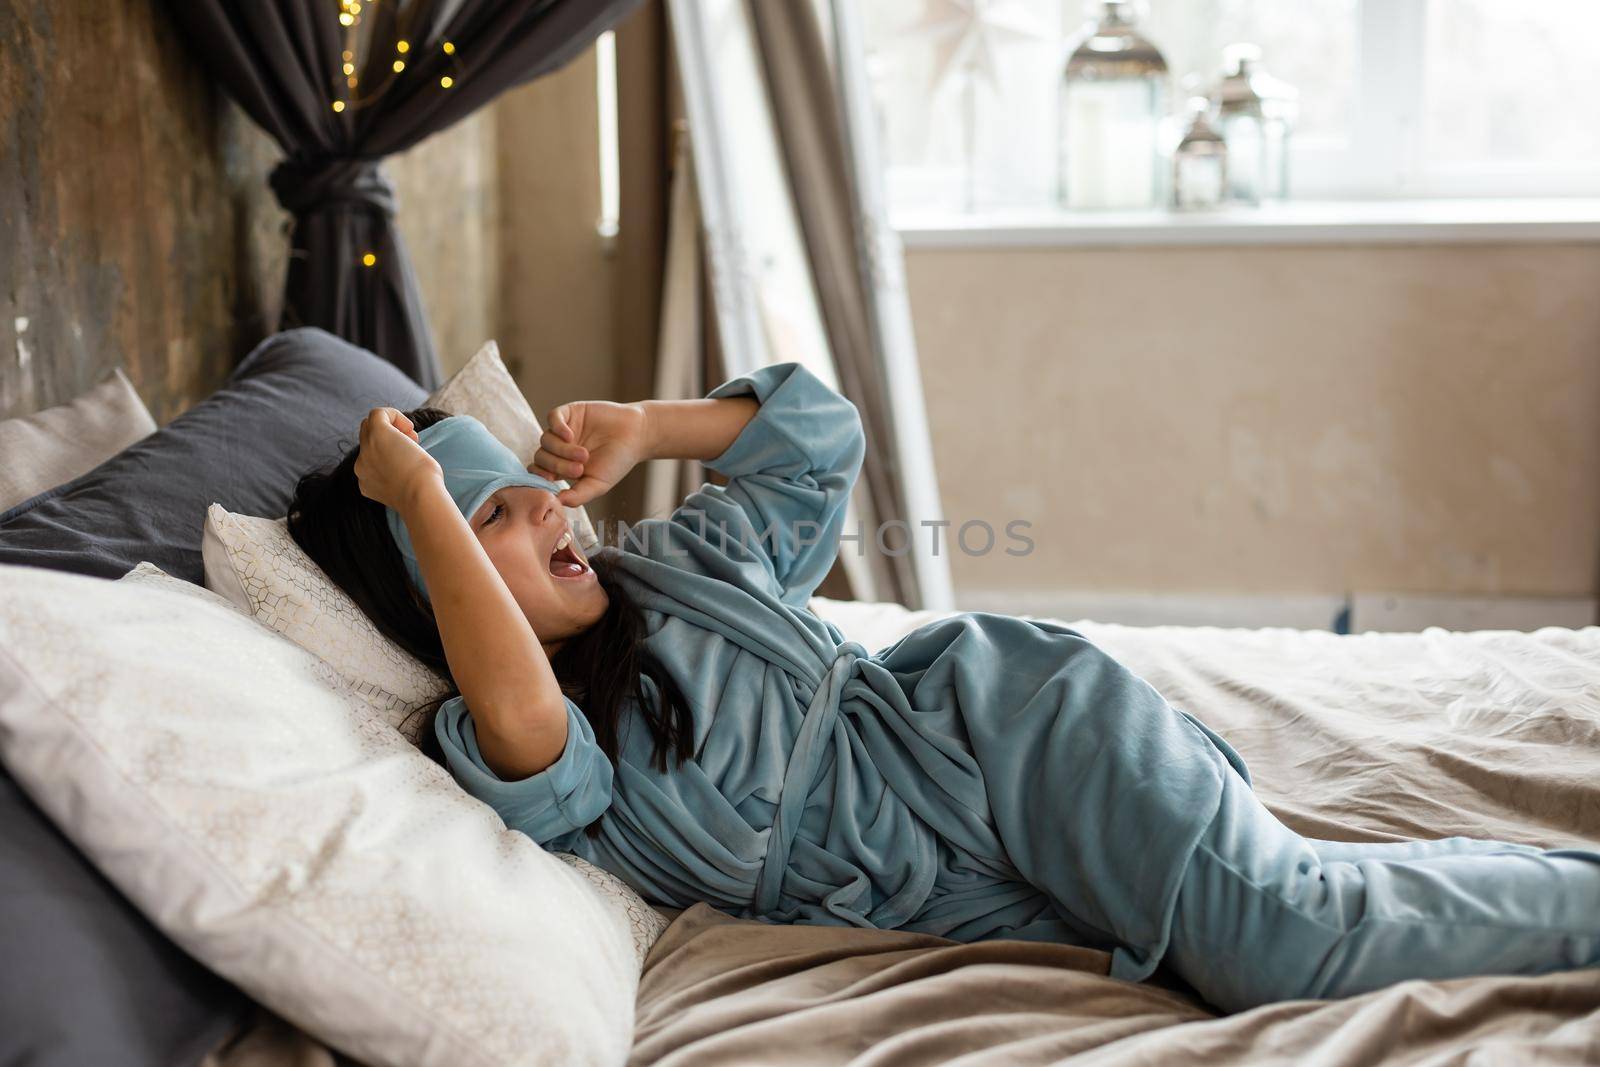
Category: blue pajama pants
[1264,914]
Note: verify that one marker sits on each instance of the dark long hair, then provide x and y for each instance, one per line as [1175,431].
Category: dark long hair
[347,535]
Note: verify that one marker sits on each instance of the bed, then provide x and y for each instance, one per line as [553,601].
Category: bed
[1355,737]
[1373,736]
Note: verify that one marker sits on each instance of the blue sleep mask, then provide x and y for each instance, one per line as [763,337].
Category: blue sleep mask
[475,464]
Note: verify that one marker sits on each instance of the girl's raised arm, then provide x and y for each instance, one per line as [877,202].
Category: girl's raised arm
[790,473]
[495,657]
[790,446]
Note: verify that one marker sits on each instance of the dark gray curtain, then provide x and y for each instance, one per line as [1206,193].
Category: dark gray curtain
[281,60]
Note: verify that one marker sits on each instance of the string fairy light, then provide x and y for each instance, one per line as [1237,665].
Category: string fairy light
[350,17]
[448,49]
[348,96]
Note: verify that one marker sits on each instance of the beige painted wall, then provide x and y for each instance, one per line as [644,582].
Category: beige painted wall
[1270,420]
[556,282]
[449,219]
[575,321]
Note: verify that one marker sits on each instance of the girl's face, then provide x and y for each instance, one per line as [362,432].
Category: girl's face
[519,527]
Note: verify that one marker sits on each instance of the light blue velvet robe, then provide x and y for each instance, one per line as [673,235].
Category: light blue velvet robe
[983,776]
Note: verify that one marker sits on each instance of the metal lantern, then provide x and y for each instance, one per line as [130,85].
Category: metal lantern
[1256,112]
[1200,162]
[1113,102]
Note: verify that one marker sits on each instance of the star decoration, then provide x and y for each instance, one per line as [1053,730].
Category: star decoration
[968,35]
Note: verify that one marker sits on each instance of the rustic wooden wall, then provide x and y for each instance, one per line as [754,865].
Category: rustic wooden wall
[136,226]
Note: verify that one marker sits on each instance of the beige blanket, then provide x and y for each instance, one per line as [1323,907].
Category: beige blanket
[725,992]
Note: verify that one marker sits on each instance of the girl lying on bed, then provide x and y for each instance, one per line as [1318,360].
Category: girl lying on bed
[670,710]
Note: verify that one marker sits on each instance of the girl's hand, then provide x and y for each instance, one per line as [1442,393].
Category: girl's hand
[392,462]
[592,444]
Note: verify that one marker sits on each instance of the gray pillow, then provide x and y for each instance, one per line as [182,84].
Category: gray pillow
[84,978]
[293,403]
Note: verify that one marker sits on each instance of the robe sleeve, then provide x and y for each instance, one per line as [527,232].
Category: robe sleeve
[790,473]
[551,807]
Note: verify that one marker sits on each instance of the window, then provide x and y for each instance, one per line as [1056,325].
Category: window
[1510,97]
[1398,98]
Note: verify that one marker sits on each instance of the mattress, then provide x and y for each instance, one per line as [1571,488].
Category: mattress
[1376,736]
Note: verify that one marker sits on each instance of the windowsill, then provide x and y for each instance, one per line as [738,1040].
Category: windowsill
[1293,223]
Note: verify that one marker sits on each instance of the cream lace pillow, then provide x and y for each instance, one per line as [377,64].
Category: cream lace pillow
[278,831]
[57,444]
[289,594]
[645,924]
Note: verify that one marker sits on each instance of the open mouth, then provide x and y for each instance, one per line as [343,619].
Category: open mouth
[565,562]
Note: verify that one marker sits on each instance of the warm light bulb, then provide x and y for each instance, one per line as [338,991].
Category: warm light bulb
[399,65]
[402,46]
[351,81]
[348,55]
[349,68]
[368,260]
[446,81]
[449,49]
[346,19]
[338,105]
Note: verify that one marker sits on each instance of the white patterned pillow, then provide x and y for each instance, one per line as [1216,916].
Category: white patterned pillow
[645,923]
[391,687]
[285,836]
[284,589]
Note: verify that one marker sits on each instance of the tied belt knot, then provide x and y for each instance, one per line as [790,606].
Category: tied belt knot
[810,744]
[306,183]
